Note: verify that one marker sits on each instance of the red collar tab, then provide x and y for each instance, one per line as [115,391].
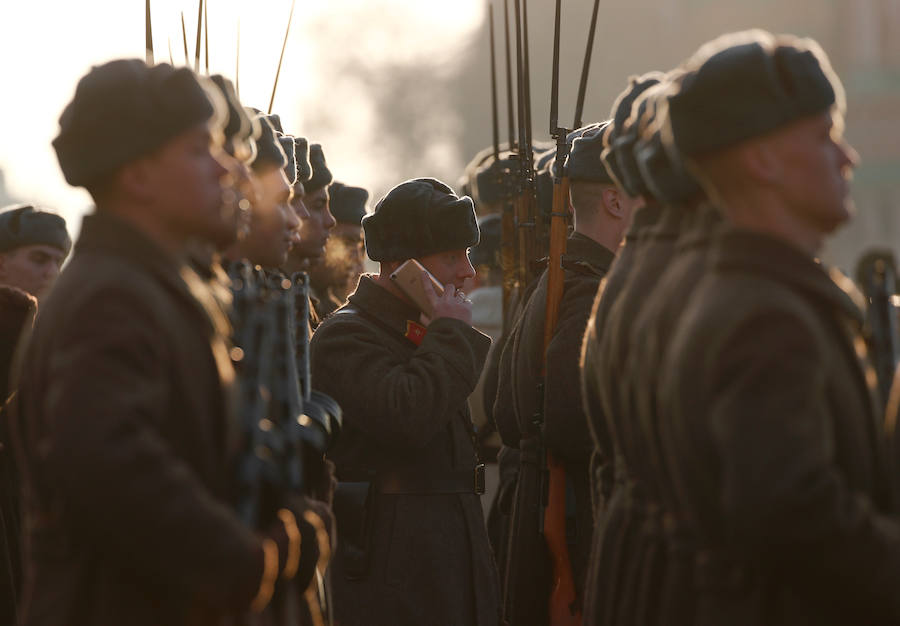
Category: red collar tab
[415,332]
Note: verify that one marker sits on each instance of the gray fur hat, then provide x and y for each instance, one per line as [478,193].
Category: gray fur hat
[417,218]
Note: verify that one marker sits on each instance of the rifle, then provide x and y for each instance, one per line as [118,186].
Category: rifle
[877,276]
[286,435]
[526,563]
[320,427]
[509,249]
[526,202]
[563,608]
[540,499]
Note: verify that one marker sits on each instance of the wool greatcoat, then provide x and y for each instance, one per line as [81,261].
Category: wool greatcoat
[126,442]
[603,466]
[622,545]
[607,465]
[772,433]
[404,397]
[566,433]
[663,591]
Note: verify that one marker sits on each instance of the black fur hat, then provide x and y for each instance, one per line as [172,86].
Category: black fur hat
[290,170]
[746,84]
[621,136]
[417,218]
[268,148]
[123,110]
[321,175]
[239,126]
[22,225]
[585,161]
[301,156]
[347,204]
[666,177]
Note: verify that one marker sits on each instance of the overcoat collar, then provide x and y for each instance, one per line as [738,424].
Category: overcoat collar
[382,305]
[705,222]
[644,217]
[105,233]
[742,249]
[582,249]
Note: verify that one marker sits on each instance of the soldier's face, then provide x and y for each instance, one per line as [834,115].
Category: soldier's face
[451,268]
[272,221]
[315,229]
[186,182]
[33,269]
[816,166]
[235,200]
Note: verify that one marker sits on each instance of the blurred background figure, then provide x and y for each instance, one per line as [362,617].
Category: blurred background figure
[336,274]
[33,246]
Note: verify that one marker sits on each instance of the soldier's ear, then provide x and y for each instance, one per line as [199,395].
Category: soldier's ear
[760,160]
[612,202]
[136,180]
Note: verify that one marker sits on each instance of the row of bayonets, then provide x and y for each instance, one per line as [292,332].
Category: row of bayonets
[203,27]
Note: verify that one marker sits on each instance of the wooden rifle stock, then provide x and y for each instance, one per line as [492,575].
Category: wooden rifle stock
[562,607]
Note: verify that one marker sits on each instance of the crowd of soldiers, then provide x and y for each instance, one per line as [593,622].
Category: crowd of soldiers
[213,415]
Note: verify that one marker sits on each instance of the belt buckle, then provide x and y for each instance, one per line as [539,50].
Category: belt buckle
[479,479]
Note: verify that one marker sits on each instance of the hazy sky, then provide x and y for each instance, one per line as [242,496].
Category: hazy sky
[47,45]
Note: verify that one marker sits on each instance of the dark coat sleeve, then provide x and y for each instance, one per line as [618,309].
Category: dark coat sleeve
[567,431]
[104,452]
[406,401]
[782,494]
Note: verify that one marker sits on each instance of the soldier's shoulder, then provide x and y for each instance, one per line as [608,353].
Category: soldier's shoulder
[347,320]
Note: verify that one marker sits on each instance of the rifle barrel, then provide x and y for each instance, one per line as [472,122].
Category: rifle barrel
[510,115]
[520,81]
[206,33]
[184,39]
[494,115]
[586,67]
[148,35]
[527,85]
[199,32]
[281,57]
[554,83]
